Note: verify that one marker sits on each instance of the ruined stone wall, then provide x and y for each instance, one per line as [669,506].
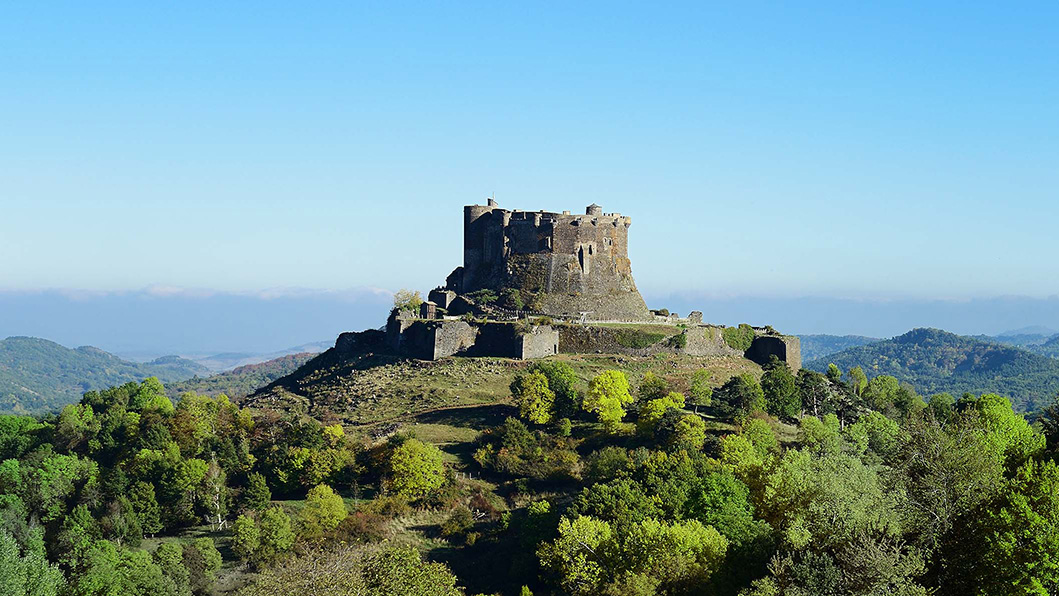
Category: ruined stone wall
[540,342]
[452,337]
[707,341]
[787,348]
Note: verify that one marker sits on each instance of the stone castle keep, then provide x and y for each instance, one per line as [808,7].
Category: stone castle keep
[561,264]
[534,284]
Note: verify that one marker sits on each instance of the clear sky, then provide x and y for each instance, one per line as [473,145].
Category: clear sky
[795,149]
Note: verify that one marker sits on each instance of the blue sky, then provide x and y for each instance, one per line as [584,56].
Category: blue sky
[903,150]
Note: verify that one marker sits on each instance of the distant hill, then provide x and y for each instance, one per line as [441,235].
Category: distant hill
[818,346]
[37,375]
[243,380]
[936,361]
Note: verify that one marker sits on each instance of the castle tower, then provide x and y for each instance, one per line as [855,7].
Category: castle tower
[558,263]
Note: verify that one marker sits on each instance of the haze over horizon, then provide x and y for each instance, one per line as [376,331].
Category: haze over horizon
[829,168]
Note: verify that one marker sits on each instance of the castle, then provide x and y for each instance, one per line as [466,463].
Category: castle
[558,263]
[534,284]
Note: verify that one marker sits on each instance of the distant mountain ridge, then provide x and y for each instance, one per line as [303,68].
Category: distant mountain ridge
[38,376]
[818,346]
[935,361]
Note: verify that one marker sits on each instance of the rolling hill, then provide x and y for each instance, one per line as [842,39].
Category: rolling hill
[242,380]
[818,346]
[936,361]
[38,376]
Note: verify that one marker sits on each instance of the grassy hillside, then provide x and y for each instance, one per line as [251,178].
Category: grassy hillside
[370,389]
[937,361]
[37,375]
[818,346]
[243,380]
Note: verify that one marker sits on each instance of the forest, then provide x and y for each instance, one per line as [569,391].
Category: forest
[788,483]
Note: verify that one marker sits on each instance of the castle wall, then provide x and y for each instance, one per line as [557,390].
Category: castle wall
[707,341]
[540,342]
[787,348]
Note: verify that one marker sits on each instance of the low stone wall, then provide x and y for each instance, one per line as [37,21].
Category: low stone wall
[707,341]
[540,342]
[452,337]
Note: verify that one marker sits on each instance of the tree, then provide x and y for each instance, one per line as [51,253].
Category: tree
[653,387]
[256,495]
[858,381]
[741,396]
[144,504]
[276,536]
[203,561]
[169,556]
[680,430]
[1021,534]
[653,410]
[576,557]
[407,300]
[701,392]
[780,389]
[416,469]
[246,538]
[815,392]
[562,380]
[608,394]
[27,574]
[536,402]
[323,511]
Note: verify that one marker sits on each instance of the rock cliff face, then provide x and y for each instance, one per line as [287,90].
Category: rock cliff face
[560,264]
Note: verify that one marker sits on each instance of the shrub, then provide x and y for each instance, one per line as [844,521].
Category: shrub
[458,522]
[739,338]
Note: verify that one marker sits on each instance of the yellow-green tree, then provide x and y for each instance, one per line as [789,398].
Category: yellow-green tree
[536,401]
[323,511]
[416,468]
[607,396]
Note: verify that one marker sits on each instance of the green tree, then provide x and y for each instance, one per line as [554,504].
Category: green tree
[1021,532]
[256,495]
[246,538]
[562,380]
[858,381]
[741,396]
[169,556]
[416,468]
[536,402]
[653,387]
[577,557]
[608,394]
[276,536]
[407,300]
[203,561]
[27,574]
[701,392]
[780,389]
[653,410]
[323,511]
[144,504]
[680,430]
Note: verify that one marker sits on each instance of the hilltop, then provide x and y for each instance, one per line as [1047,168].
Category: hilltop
[37,375]
[935,361]
[368,388]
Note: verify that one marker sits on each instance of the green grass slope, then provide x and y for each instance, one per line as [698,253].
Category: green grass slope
[373,389]
[38,376]
[936,361]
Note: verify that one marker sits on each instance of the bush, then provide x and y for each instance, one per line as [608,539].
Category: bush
[739,338]
[458,523]
[679,341]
